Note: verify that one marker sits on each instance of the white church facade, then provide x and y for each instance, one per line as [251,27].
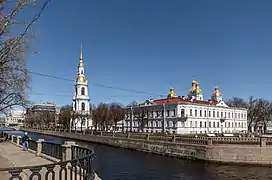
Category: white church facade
[81,101]
[186,115]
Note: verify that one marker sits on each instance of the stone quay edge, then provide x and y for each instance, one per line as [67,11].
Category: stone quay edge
[255,154]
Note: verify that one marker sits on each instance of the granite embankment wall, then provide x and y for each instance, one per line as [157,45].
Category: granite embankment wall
[254,151]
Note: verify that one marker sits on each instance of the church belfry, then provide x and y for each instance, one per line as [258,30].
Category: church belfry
[81,100]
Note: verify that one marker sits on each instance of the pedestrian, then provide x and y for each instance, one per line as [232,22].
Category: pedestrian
[25,141]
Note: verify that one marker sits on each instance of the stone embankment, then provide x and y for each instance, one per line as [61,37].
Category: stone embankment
[254,151]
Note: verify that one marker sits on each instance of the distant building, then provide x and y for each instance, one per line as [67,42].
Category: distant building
[2,120]
[186,115]
[15,118]
[43,114]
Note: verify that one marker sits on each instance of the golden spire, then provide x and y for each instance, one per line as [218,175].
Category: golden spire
[81,57]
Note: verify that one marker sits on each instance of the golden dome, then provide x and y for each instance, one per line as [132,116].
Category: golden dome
[195,90]
[198,90]
[81,79]
[171,93]
[216,92]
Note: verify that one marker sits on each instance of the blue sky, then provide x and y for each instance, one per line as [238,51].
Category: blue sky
[152,45]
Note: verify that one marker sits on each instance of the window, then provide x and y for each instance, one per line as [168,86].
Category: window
[210,124]
[209,113]
[205,124]
[200,113]
[83,122]
[174,112]
[191,112]
[213,113]
[174,123]
[83,106]
[200,124]
[229,114]
[205,113]
[235,115]
[228,124]
[218,124]
[225,115]
[76,91]
[213,124]
[182,112]
[167,113]
[242,116]
[82,91]
[75,106]
[157,124]
[221,114]
[157,113]
[217,114]
[191,124]
[152,114]
[195,112]
[195,123]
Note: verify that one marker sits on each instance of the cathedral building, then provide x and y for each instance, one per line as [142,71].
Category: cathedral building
[185,115]
[81,101]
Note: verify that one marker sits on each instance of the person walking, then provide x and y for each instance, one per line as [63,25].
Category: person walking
[25,141]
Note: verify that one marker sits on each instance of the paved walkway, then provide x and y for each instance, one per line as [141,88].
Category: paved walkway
[12,155]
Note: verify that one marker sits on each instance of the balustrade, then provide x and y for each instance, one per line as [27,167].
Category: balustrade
[74,163]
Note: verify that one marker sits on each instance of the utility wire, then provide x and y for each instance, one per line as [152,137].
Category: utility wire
[96,84]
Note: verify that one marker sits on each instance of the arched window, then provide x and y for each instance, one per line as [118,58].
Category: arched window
[83,106]
[82,91]
[76,91]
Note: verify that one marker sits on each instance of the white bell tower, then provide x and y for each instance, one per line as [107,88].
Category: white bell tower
[81,100]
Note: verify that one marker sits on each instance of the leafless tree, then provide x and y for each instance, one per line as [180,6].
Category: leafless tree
[259,110]
[142,114]
[65,116]
[15,36]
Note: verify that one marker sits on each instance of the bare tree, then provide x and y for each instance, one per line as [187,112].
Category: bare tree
[65,116]
[14,43]
[117,112]
[237,102]
[142,114]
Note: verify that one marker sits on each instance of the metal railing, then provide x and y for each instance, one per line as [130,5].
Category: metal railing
[52,149]
[75,163]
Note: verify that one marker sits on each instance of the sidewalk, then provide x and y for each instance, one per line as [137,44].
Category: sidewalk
[12,155]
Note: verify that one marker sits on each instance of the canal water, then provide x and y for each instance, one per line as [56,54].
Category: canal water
[121,164]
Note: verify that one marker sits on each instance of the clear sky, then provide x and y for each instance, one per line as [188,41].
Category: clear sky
[152,45]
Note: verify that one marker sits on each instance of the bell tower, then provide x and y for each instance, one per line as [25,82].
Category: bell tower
[81,100]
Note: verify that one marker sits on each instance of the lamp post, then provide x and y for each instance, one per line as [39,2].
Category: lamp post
[131,118]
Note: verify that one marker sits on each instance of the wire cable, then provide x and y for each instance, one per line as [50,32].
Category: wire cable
[98,85]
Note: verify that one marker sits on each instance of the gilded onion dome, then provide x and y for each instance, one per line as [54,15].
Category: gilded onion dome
[216,92]
[171,93]
[195,89]
[81,78]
